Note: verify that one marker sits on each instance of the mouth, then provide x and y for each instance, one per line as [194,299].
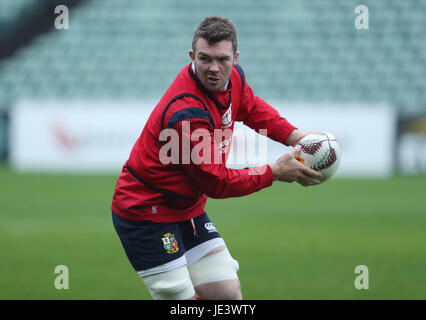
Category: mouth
[213,80]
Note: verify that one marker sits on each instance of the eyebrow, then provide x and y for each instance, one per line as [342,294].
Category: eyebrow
[220,57]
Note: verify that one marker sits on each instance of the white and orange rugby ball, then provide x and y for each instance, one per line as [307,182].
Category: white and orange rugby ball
[321,152]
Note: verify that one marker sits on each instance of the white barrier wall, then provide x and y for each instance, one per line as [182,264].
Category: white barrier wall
[98,137]
[77,137]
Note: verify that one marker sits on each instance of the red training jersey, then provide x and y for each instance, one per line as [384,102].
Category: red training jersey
[182,129]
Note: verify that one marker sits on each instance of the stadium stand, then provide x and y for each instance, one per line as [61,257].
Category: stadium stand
[290,50]
[11,11]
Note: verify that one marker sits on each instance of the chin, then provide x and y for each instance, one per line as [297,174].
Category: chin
[215,88]
[212,88]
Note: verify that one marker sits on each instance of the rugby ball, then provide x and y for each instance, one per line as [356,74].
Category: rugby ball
[321,152]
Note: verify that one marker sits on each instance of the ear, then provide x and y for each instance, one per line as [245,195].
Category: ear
[236,55]
[192,55]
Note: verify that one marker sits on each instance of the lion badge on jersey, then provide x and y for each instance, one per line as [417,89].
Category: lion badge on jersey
[170,243]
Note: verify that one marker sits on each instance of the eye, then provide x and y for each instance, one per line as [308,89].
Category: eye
[204,58]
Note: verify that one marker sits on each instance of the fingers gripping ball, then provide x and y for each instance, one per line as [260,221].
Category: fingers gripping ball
[321,152]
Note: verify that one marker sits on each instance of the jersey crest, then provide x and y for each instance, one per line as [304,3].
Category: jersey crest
[170,243]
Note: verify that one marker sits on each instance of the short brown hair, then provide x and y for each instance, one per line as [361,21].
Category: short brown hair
[215,29]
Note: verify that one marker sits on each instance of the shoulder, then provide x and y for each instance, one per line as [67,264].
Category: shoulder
[185,106]
[238,72]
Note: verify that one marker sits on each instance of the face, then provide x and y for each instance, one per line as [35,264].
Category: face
[213,62]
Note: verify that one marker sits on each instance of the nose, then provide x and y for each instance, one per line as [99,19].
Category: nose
[214,67]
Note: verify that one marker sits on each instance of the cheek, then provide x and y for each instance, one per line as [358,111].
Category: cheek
[227,70]
[201,69]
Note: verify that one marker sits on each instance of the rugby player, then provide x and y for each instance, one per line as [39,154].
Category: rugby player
[159,199]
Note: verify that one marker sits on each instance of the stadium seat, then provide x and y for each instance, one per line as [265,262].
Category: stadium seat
[290,50]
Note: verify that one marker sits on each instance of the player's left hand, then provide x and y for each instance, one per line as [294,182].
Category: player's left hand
[288,169]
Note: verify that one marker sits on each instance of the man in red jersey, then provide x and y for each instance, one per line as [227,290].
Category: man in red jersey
[179,161]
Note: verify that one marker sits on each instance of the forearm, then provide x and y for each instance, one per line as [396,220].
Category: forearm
[264,116]
[294,137]
[207,166]
[217,181]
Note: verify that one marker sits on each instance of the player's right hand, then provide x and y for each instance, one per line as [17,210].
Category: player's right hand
[287,168]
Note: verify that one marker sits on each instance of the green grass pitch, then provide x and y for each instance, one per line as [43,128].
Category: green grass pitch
[291,242]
